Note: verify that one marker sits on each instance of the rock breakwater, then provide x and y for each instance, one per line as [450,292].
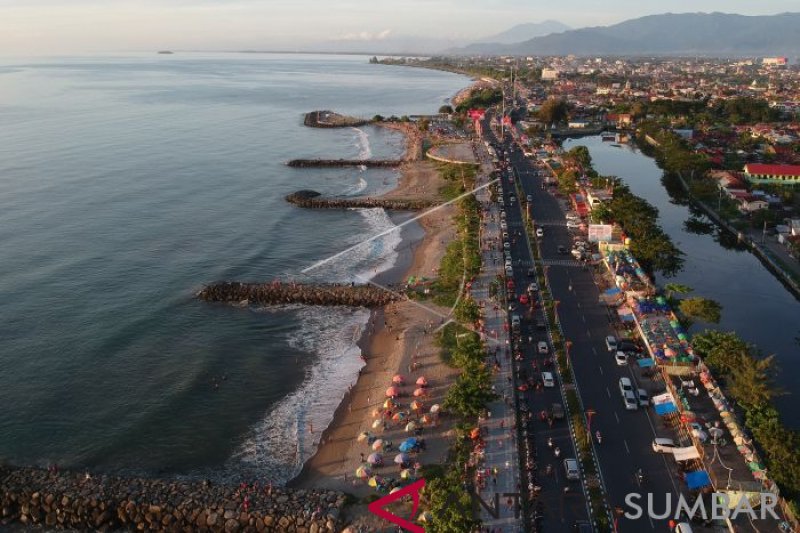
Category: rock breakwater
[314,200]
[275,293]
[334,163]
[37,497]
[329,119]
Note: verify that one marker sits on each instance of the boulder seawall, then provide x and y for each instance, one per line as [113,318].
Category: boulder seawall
[329,119]
[314,200]
[334,163]
[68,500]
[276,293]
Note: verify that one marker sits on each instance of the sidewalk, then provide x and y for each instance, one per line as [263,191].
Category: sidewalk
[501,453]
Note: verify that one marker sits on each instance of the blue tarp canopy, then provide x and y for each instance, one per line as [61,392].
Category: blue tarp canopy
[665,408]
[698,479]
[646,362]
[612,291]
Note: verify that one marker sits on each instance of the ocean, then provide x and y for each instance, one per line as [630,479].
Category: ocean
[126,183]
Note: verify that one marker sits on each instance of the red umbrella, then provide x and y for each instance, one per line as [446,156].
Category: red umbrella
[392,391]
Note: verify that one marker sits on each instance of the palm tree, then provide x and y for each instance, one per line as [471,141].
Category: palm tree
[676,288]
[751,384]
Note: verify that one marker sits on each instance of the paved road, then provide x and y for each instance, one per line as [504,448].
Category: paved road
[558,510]
[626,435]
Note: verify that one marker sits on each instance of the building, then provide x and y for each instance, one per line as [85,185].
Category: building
[774,61]
[549,74]
[778,174]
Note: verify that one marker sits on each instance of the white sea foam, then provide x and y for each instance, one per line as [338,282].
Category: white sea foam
[357,188]
[362,143]
[280,444]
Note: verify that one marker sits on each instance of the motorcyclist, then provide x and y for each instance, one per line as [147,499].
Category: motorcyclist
[598,436]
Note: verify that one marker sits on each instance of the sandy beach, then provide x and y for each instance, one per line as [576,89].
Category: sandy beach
[397,336]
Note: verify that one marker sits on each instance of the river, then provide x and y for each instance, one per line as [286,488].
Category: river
[754,303]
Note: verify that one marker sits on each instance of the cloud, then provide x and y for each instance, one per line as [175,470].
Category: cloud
[364,36]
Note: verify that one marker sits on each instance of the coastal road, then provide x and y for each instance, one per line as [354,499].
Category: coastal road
[627,435]
[559,510]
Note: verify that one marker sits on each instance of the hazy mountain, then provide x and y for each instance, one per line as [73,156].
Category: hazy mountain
[671,34]
[388,44]
[523,32]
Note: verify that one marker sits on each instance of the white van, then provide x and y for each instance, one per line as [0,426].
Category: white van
[571,469]
[611,343]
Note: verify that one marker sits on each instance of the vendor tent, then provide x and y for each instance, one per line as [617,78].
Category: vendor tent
[698,479]
[686,453]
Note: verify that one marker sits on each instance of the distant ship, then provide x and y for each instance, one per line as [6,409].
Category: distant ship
[166,52]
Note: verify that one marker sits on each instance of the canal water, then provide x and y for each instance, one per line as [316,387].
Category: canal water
[754,303]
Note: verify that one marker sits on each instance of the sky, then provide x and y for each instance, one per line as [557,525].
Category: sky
[46,27]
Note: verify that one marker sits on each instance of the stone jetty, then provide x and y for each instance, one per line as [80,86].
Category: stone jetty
[74,501]
[314,200]
[320,163]
[277,293]
[329,119]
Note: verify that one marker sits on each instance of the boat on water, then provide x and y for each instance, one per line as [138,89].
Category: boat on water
[166,52]
[608,136]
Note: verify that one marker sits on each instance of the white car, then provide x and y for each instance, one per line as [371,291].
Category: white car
[507,245]
[533,287]
[611,343]
[661,445]
[571,469]
[621,358]
[539,232]
[625,385]
[573,224]
[542,347]
[547,379]
[683,527]
[630,401]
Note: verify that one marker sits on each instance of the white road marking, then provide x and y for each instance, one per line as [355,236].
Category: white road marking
[625,442]
[601,372]
[617,417]
[608,392]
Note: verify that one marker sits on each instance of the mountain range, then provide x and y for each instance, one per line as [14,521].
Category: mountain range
[667,34]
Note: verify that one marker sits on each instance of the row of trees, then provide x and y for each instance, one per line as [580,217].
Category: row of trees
[480,99]
[748,379]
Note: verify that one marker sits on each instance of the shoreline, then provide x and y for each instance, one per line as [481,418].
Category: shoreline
[394,336]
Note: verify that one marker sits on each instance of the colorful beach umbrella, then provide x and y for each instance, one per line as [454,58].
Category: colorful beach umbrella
[419,392]
[392,391]
[426,419]
[362,472]
[398,379]
[406,473]
[377,423]
[406,447]
[377,445]
[416,405]
[373,481]
[375,458]
[435,408]
[389,403]
[411,426]
[394,490]
[400,415]
[401,458]
[422,381]
[363,436]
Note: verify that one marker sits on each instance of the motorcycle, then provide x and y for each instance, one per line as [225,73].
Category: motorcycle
[599,437]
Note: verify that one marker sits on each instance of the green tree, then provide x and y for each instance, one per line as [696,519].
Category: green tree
[554,111]
[446,110]
[450,506]
[471,391]
[701,309]
[673,288]
[378,118]
[751,384]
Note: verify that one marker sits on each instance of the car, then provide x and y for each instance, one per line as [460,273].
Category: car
[507,245]
[533,287]
[505,235]
[625,385]
[508,262]
[529,198]
[571,469]
[611,343]
[572,224]
[621,358]
[540,324]
[539,232]
[683,527]
[644,398]
[502,213]
[509,271]
[630,401]
[547,379]
[512,198]
[562,250]
[542,347]
[557,411]
[628,346]
[503,225]
[662,445]
[531,272]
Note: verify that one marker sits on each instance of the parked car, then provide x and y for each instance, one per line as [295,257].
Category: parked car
[533,287]
[573,224]
[529,198]
[548,380]
[539,232]
[571,469]
[644,398]
[625,385]
[611,343]
[557,411]
[621,358]
[562,250]
[531,272]
[662,445]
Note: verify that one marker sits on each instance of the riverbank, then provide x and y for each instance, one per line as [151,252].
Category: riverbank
[397,335]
